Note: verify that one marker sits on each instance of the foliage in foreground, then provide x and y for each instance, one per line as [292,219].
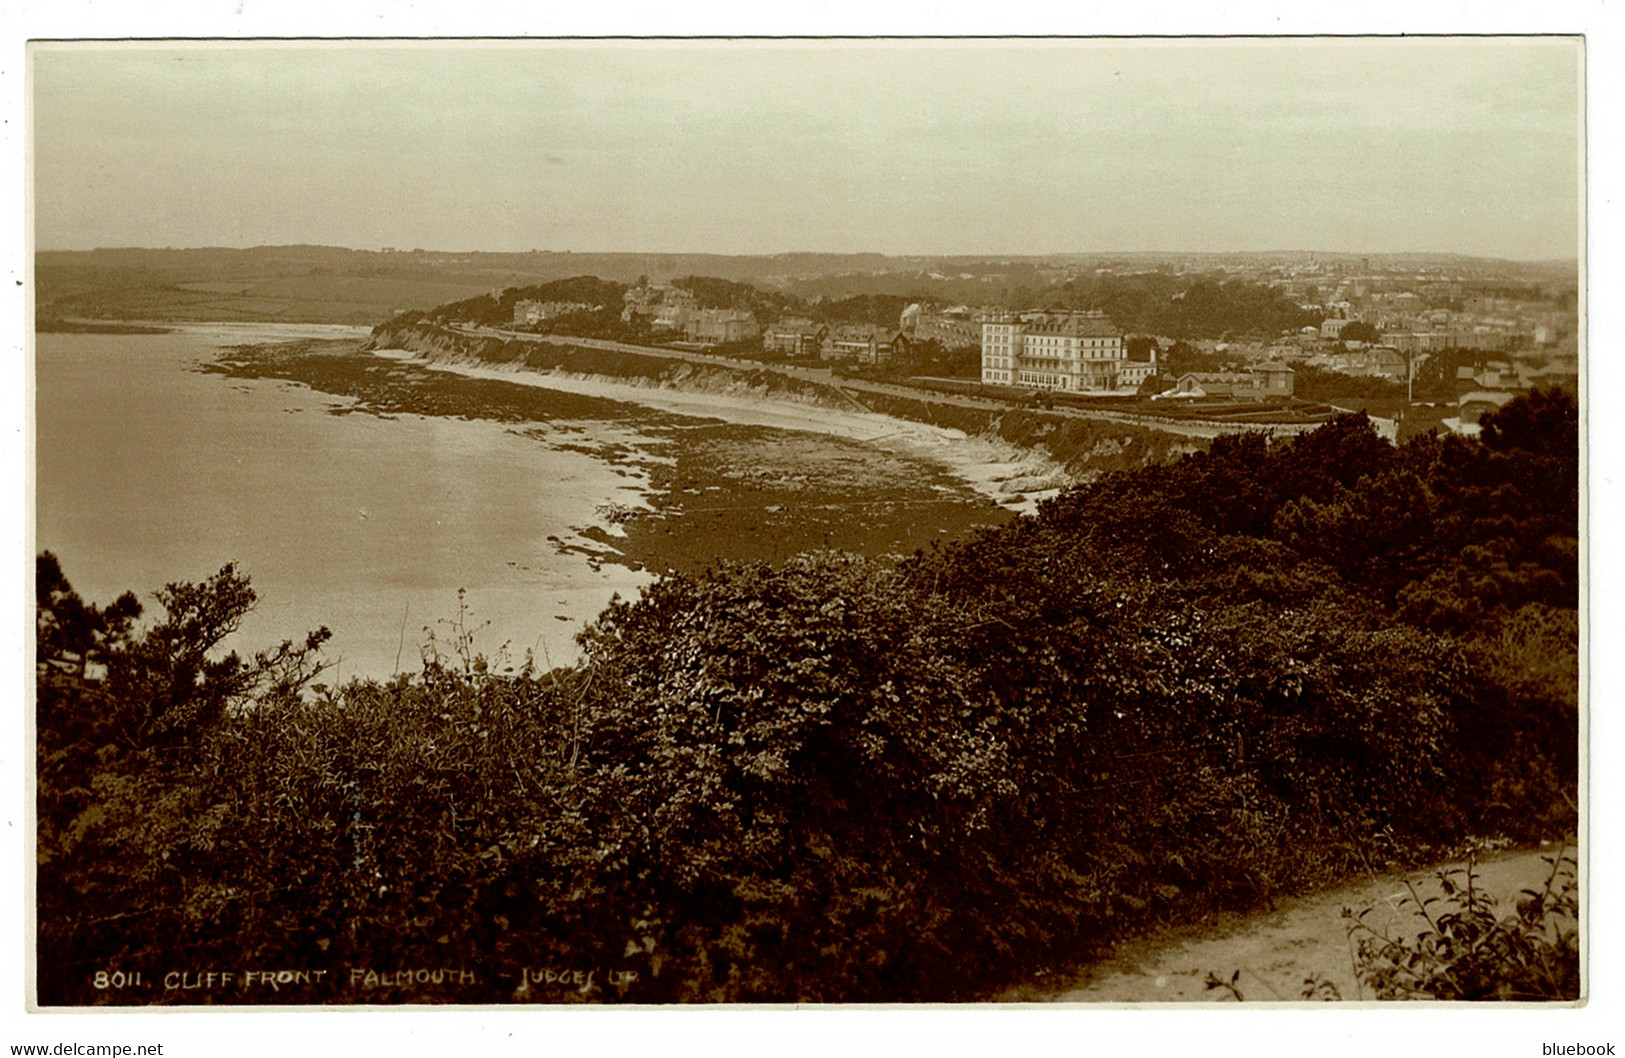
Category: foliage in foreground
[1177,689]
[1466,949]
[1469,951]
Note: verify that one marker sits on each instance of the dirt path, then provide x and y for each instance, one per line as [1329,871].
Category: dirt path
[1276,950]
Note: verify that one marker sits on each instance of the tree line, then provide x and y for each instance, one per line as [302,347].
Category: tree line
[1182,307]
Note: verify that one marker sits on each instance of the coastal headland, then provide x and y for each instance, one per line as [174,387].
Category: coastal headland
[742,463]
[723,480]
[1080,444]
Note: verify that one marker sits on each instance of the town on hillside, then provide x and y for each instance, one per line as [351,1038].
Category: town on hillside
[1441,342]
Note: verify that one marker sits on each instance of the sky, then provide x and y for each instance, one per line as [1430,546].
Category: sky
[965,146]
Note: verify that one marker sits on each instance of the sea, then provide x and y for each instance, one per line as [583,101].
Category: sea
[394,532]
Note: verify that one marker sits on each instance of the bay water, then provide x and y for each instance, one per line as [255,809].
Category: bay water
[149,470]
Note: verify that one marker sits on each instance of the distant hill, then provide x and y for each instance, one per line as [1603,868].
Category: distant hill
[337,285]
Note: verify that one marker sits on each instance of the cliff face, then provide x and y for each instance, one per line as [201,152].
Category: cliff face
[425,340]
[1084,447]
[618,365]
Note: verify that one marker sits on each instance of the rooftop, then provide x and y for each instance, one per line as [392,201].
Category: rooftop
[1077,327]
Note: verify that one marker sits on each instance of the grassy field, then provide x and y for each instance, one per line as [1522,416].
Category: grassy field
[301,299]
[284,284]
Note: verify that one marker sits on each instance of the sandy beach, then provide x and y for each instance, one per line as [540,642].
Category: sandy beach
[227,333]
[1017,478]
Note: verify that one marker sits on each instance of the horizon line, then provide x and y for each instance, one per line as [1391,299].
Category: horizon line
[971,255]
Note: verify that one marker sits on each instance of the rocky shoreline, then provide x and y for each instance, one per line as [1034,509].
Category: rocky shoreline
[1062,448]
[715,490]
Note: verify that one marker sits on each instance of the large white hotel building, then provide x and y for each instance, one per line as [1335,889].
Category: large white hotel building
[1052,350]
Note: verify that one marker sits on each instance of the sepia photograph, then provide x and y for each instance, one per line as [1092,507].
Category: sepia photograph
[987,521]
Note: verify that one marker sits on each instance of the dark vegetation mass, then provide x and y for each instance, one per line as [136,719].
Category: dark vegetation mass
[1178,689]
[1152,302]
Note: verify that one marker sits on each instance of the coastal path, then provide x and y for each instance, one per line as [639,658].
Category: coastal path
[1276,950]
